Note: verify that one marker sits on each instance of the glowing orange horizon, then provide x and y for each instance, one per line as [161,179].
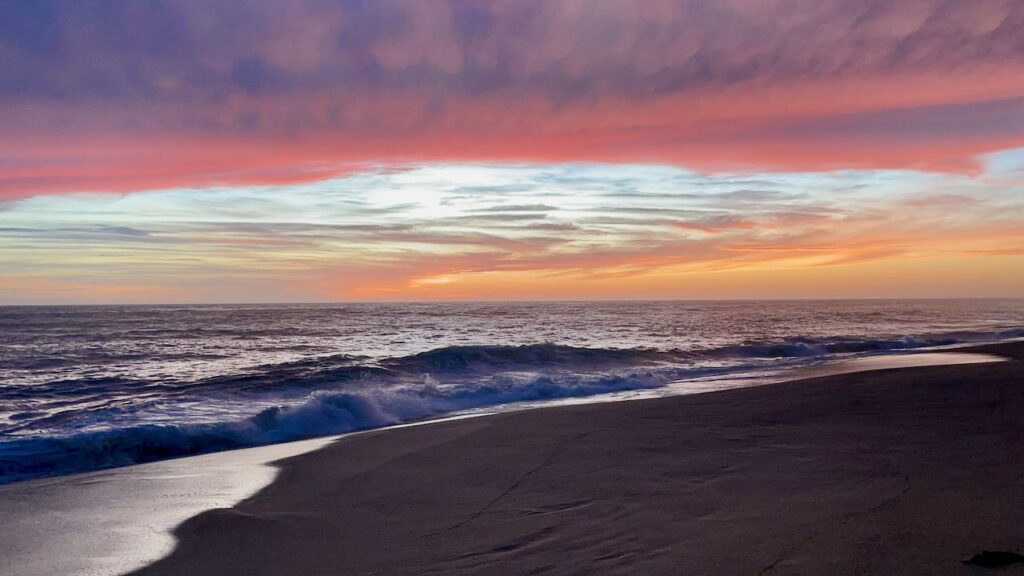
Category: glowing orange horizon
[452,231]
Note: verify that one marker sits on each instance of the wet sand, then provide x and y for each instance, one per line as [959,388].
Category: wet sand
[902,471]
[113,521]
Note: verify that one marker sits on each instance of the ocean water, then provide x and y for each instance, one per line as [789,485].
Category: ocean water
[90,387]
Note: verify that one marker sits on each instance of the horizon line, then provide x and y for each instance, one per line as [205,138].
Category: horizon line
[515,301]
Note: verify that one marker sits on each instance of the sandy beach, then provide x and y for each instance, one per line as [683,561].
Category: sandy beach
[904,471]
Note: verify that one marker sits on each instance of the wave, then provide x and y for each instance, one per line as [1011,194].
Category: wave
[481,360]
[800,347]
[454,359]
[322,413]
[55,432]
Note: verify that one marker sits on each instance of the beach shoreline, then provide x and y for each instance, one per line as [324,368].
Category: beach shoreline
[113,521]
[893,471]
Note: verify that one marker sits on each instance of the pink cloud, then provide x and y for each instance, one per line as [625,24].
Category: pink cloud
[123,97]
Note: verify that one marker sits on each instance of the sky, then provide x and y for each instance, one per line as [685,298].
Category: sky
[315,150]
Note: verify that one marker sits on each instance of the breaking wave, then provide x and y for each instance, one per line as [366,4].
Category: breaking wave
[321,413]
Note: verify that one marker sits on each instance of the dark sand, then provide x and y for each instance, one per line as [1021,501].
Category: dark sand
[894,472]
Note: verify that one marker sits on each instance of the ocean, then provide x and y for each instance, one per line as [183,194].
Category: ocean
[90,387]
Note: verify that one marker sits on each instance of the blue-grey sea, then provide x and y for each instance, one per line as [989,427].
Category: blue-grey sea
[89,387]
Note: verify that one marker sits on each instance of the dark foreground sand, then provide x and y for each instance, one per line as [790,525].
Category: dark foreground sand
[893,472]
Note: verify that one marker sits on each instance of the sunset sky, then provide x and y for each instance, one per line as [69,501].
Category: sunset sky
[302,150]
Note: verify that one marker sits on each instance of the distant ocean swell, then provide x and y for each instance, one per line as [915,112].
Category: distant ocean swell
[344,393]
